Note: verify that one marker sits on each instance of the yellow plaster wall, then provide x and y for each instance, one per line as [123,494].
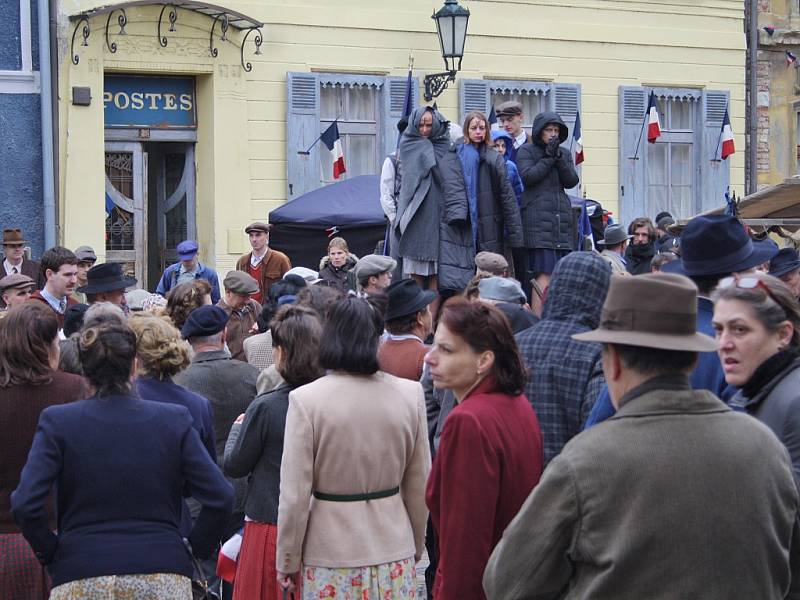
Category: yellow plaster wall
[600,44]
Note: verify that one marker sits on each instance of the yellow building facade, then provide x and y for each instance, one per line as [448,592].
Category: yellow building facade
[131,187]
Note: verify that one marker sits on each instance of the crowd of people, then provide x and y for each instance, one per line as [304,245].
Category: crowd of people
[538,419]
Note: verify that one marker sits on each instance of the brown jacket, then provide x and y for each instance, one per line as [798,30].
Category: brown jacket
[274,267]
[675,496]
[239,326]
[37,297]
[353,434]
[30,268]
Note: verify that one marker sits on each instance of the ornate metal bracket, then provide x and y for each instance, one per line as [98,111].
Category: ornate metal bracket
[258,40]
[122,19]
[436,83]
[223,28]
[173,16]
[85,33]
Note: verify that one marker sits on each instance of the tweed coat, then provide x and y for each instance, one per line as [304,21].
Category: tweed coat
[676,496]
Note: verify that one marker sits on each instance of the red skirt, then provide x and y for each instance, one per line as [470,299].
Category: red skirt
[22,577]
[256,575]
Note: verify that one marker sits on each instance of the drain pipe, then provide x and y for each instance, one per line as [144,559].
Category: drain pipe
[752,105]
[46,102]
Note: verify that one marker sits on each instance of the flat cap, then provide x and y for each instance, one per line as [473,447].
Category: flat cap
[85,254]
[240,282]
[204,321]
[374,264]
[15,281]
[187,249]
[510,108]
[491,263]
[258,226]
[501,289]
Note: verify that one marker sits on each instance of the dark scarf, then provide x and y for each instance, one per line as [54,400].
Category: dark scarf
[769,370]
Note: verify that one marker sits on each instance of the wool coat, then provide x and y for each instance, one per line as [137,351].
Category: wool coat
[489,460]
[371,439]
[341,278]
[456,246]
[547,220]
[676,496]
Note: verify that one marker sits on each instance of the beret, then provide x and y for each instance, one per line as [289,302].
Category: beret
[204,321]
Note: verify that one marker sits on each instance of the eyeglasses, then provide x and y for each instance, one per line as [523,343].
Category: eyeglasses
[747,283]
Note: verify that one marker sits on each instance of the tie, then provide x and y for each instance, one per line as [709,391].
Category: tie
[62,305]
[14,270]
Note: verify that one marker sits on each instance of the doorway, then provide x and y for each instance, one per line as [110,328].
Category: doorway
[149,205]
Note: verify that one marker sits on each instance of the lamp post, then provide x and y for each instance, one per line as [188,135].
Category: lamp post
[451,26]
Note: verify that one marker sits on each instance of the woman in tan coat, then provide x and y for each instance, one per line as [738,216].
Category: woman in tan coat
[352,513]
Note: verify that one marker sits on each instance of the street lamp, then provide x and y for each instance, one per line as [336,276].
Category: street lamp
[451,25]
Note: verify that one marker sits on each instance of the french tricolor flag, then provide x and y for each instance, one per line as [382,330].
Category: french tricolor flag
[228,555]
[576,135]
[653,122]
[332,142]
[727,137]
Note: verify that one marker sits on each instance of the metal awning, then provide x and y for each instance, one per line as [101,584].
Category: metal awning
[225,17]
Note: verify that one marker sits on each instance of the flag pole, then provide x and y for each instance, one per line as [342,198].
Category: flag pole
[307,151]
[641,132]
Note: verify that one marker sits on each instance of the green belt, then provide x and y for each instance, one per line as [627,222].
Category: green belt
[356,497]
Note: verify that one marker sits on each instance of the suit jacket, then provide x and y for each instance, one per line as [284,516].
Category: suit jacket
[616,261]
[274,266]
[30,268]
[37,297]
[372,438]
[642,505]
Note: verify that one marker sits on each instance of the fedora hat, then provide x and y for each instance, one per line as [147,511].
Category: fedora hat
[106,277]
[785,261]
[13,236]
[719,244]
[651,311]
[613,235]
[406,298]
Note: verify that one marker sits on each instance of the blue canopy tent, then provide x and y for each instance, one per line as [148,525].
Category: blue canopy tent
[351,209]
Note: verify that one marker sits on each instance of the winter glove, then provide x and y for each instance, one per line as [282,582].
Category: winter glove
[552,148]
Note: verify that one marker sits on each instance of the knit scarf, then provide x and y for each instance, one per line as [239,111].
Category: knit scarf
[768,370]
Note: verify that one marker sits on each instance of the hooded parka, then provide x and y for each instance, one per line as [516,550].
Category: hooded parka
[547,220]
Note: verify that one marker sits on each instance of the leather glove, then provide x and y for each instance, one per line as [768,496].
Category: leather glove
[552,148]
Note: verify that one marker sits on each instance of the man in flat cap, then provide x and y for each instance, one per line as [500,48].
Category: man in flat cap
[242,310]
[187,269]
[374,273]
[642,505]
[14,260]
[510,116]
[491,264]
[15,290]
[263,264]
[229,385]
[86,259]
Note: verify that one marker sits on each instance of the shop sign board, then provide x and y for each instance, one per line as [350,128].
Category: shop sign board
[149,102]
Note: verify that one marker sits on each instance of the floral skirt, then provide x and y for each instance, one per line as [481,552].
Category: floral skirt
[389,581]
[22,577]
[156,586]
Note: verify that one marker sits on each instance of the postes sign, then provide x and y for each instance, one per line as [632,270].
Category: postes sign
[149,102]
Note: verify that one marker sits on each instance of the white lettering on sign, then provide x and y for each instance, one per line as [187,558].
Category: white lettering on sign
[149,101]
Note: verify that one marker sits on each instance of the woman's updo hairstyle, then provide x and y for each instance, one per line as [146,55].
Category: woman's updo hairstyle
[107,352]
[161,351]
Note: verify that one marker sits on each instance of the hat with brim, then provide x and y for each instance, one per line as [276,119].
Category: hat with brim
[13,236]
[784,262]
[651,311]
[613,235]
[106,277]
[406,298]
[719,244]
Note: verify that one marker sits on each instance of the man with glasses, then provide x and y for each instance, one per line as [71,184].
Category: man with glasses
[14,260]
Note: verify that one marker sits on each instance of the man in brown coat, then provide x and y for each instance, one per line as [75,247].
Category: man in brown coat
[675,496]
[263,264]
[242,310]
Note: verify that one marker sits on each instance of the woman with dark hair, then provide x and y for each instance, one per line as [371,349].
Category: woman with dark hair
[494,214]
[29,383]
[548,225]
[186,297]
[355,460]
[490,455]
[255,446]
[120,465]
[757,324]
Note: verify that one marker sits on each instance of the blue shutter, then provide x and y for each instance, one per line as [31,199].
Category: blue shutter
[302,128]
[473,95]
[394,97]
[565,99]
[714,173]
[632,180]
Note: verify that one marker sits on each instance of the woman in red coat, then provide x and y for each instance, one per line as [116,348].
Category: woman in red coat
[490,457]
